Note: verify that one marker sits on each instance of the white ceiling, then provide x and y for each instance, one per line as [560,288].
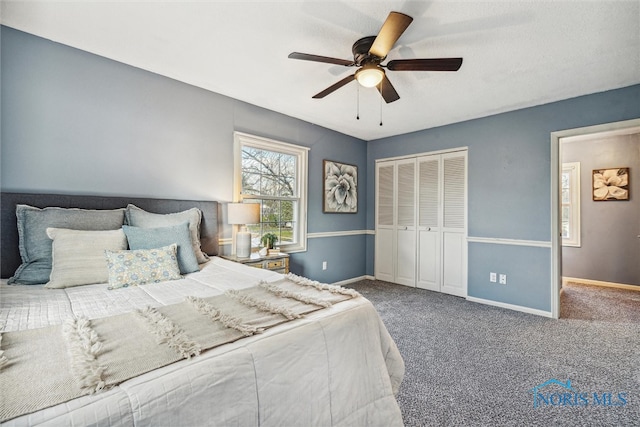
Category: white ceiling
[516,53]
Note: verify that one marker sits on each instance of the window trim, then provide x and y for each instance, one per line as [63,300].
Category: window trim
[302,153]
[574,195]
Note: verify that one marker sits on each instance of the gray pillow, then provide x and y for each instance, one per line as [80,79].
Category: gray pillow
[153,238]
[35,245]
[140,218]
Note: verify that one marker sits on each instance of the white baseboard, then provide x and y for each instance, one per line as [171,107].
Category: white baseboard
[511,307]
[354,279]
[600,283]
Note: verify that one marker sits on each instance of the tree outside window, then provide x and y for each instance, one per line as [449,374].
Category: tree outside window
[273,174]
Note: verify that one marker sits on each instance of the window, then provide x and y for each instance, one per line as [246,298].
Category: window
[570,198]
[273,174]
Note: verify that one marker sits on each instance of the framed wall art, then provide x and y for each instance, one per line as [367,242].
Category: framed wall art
[340,187]
[610,184]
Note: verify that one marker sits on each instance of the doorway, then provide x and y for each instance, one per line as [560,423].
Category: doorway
[597,211]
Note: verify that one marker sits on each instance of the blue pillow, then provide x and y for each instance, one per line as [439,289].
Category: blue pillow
[152,238]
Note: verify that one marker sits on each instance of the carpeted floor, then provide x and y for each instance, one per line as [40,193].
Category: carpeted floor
[586,302]
[470,364]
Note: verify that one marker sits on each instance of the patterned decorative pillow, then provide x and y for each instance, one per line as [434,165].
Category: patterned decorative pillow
[141,266]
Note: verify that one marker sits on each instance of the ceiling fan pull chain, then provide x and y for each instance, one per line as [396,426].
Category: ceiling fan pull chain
[358,102]
[381,97]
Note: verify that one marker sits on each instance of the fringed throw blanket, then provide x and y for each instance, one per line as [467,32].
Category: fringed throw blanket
[44,367]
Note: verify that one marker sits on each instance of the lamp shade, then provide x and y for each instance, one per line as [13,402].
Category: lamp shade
[243,213]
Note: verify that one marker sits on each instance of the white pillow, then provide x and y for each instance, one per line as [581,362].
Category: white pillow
[78,256]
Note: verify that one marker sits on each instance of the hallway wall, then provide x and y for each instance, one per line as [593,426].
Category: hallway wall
[610,246]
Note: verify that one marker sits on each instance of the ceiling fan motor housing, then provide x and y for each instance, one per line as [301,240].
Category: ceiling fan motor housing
[361,53]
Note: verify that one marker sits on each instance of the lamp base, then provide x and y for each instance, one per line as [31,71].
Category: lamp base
[243,243]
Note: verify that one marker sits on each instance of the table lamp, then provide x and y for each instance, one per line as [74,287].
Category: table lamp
[242,214]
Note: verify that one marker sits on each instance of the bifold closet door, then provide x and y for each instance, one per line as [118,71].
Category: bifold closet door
[442,223]
[429,220]
[406,223]
[385,222]
[395,248]
[454,230]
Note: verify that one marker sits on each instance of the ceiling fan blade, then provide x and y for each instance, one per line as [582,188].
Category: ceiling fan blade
[335,86]
[390,32]
[437,64]
[318,58]
[387,90]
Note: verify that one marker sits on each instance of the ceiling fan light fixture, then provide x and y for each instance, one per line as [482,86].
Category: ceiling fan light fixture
[370,75]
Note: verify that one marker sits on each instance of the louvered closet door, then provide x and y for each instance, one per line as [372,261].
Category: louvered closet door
[385,221]
[421,218]
[406,222]
[429,222]
[454,243]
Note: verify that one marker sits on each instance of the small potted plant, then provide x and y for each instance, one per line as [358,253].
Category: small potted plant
[268,240]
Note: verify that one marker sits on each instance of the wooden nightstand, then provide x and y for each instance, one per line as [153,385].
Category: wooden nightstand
[277,262]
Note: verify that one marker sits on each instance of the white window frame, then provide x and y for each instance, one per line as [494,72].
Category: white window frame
[573,168]
[241,139]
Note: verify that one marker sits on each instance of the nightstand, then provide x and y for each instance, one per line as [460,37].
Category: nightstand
[277,262]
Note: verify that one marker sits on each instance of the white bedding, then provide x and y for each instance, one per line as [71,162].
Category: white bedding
[336,366]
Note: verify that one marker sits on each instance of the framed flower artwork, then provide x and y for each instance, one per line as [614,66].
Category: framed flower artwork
[611,184]
[340,187]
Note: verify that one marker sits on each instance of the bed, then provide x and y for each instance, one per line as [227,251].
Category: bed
[309,353]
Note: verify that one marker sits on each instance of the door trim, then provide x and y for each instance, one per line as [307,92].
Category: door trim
[428,153]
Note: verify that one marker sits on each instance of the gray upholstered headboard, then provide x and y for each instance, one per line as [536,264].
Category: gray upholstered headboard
[10,255]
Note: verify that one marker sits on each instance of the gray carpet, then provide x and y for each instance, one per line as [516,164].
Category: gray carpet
[470,364]
[586,302]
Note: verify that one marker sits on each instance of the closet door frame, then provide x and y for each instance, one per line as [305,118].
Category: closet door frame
[462,291]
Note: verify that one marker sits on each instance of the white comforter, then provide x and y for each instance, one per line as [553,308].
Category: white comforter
[336,366]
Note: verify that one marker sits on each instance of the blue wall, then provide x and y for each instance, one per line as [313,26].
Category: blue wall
[509,186]
[74,122]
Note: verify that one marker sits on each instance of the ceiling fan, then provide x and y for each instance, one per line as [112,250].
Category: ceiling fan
[369,52]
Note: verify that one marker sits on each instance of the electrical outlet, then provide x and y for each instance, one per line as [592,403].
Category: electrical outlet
[503,279]
[492,277]
[324,265]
